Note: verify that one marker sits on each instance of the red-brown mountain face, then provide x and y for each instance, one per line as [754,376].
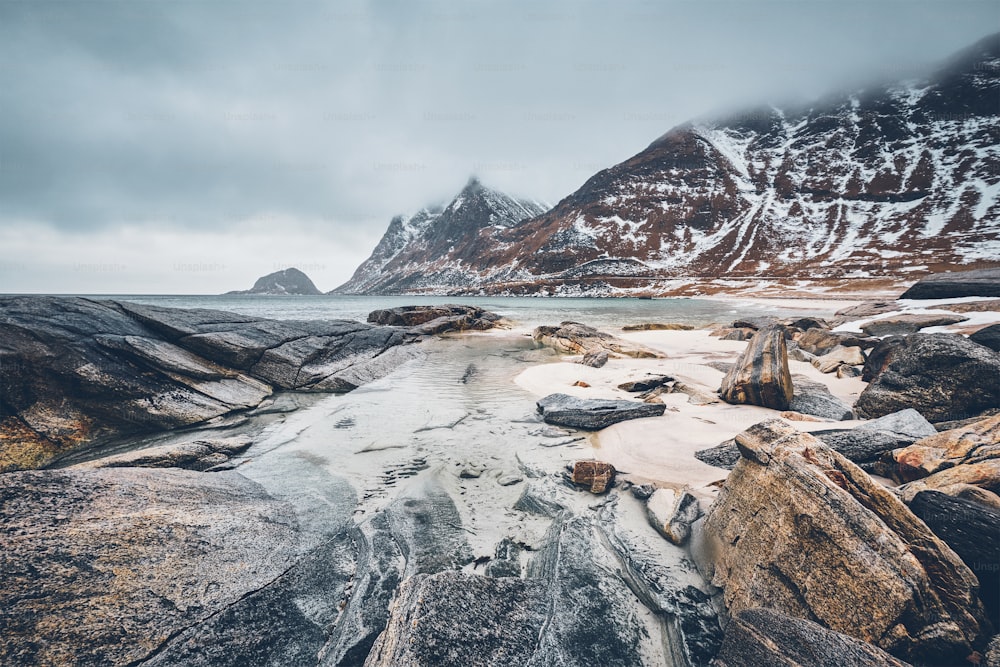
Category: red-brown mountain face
[891,181]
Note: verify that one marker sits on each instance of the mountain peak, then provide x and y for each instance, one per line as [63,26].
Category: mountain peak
[285,281]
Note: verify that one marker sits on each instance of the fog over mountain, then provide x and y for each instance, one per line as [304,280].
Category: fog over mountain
[192,147]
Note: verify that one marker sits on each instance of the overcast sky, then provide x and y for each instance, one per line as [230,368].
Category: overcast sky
[190,146]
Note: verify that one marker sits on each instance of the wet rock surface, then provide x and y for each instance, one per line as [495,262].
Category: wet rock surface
[593,414]
[77,371]
[760,375]
[942,376]
[873,571]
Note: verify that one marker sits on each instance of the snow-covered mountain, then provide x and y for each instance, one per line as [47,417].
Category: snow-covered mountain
[435,249]
[286,281]
[896,180]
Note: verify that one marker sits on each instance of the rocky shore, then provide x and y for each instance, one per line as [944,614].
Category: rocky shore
[763,492]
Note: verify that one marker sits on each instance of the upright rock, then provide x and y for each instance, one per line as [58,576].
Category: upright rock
[801,530]
[760,375]
[942,376]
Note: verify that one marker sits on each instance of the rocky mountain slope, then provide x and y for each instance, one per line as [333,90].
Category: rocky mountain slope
[435,247]
[895,180]
[286,281]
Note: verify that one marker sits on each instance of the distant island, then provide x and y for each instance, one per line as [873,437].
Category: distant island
[286,281]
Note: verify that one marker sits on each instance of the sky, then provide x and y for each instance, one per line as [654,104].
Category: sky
[191,146]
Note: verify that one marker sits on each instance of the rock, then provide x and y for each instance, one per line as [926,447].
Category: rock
[868,309]
[725,455]
[592,414]
[909,323]
[906,422]
[509,480]
[645,384]
[79,371]
[287,281]
[789,415]
[657,326]
[813,398]
[456,619]
[696,396]
[981,282]
[985,306]
[798,354]
[976,443]
[581,383]
[942,376]
[806,323]
[988,337]
[837,357]
[729,333]
[757,323]
[597,475]
[848,372]
[642,491]
[985,474]
[105,566]
[821,341]
[801,530]
[971,530]
[866,443]
[766,638]
[430,320]
[506,560]
[672,512]
[760,375]
[195,455]
[595,358]
[959,423]
[576,338]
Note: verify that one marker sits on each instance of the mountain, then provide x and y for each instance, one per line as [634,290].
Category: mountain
[894,180]
[435,248]
[286,281]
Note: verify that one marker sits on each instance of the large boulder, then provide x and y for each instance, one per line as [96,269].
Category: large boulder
[765,638]
[909,323]
[837,357]
[813,398]
[942,376]
[866,443]
[79,371]
[576,338]
[801,530]
[988,337]
[593,414]
[980,282]
[436,319]
[671,512]
[760,375]
[976,444]
[821,341]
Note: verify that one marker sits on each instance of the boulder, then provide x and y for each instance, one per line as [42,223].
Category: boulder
[672,512]
[837,357]
[696,395]
[796,353]
[765,638]
[760,375]
[597,476]
[866,443]
[942,376]
[645,384]
[980,282]
[799,529]
[730,333]
[988,337]
[576,338]
[981,306]
[725,455]
[868,309]
[657,326]
[806,323]
[430,320]
[593,414]
[848,372]
[972,530]
[972,444]
[201,454]
[909,323]
[813,398]
[821,341]
[595,358]
[985,474]
[757,323]
[907,422]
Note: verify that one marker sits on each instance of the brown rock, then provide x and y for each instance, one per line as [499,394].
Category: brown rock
[975,443]
[985,475]
[576,338]
[869,309]
[595,358]
[580,383]
[799,417]
[597,475]
[821,341]
[799,529]
[989,306]
[760,375]
[657,326]
[837,357]
[909,323]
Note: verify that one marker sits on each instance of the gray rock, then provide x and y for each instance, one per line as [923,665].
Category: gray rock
[765,638]
[725,455]
[909,323]
[863,446]
[813,398]
[798,354]
[906,422]
[943,376]
[821,341]
[506,561]
[988,337]
[672,512]
[980,282]
[429,320]
[645,384]
[593,414]
[194,455]
[595,358]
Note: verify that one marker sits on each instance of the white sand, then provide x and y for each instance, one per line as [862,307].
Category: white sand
[661,449]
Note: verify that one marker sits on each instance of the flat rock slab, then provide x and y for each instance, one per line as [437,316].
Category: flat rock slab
[593,414]
[988,337]
[981,282]
[577,338]
[909,323]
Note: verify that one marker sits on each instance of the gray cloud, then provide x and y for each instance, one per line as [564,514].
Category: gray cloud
[197,121]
